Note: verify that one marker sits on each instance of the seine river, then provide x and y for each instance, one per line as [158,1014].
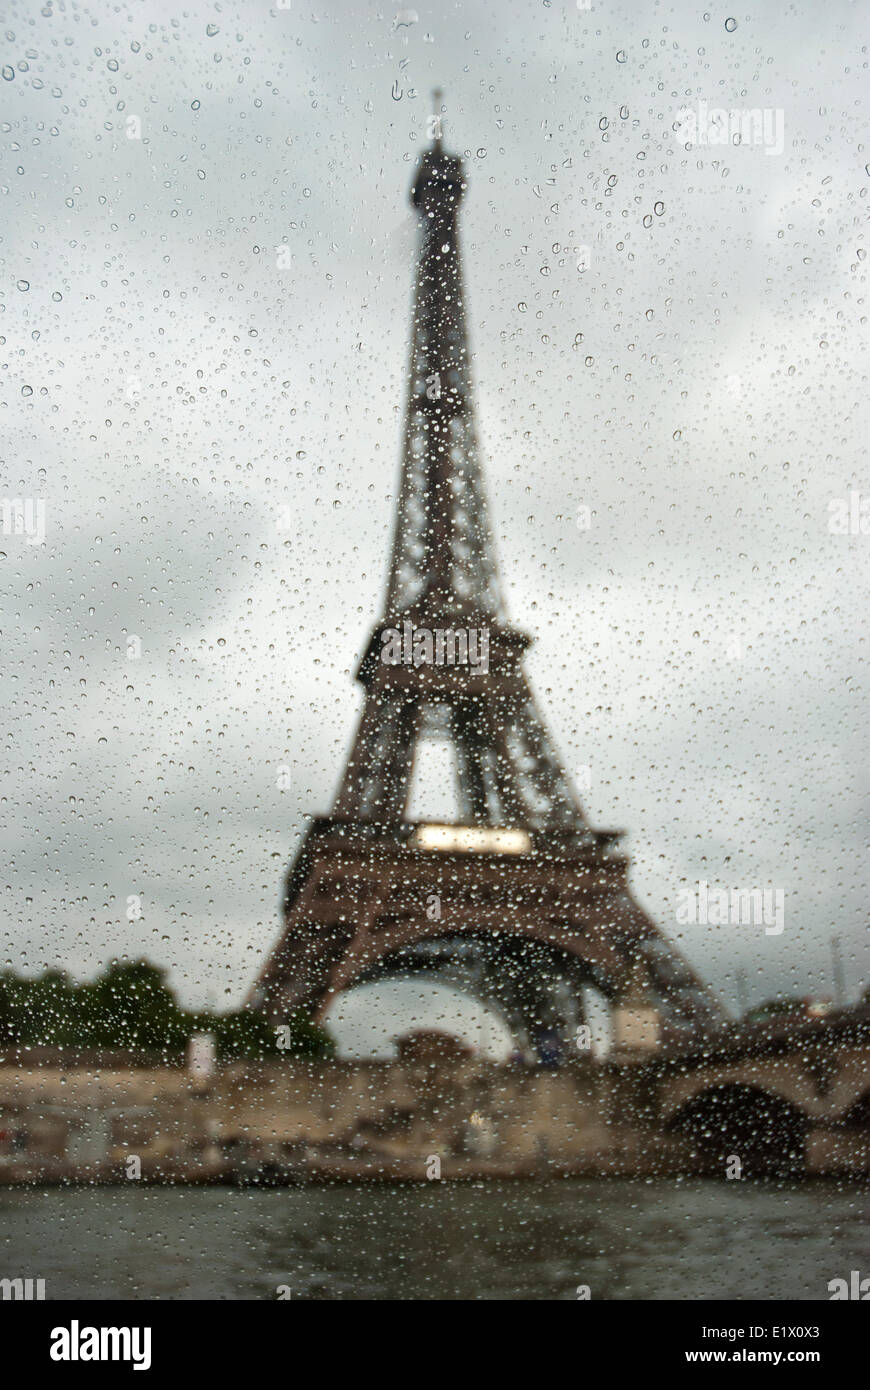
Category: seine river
[693,1239]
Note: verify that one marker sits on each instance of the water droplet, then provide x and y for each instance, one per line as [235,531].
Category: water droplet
[211,30]
[658,209]
[8,73]
[731,25]
[27,390]
[23,285]
[622,56]
[194,105]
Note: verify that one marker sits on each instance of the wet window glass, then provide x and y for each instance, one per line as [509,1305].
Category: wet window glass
[435,547]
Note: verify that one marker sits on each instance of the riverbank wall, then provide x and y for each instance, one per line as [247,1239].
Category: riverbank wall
[104,1119]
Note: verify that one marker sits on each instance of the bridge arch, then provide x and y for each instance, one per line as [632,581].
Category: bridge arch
[858,1114]
[762,1128]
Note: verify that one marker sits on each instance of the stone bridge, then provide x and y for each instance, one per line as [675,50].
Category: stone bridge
[831,1098]
[800,1090]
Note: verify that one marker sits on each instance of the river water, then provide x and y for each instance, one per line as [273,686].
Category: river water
[689,1239]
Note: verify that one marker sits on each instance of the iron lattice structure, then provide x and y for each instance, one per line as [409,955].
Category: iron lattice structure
[359,897]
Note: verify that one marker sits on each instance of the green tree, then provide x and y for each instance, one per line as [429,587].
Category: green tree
[249,1034]
[129,1006]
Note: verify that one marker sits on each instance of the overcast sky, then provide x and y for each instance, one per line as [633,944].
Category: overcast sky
[214,427]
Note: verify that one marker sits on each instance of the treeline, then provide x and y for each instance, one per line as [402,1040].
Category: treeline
[130,1007]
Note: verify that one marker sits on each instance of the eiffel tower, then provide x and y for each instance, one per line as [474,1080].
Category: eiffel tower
[521,900]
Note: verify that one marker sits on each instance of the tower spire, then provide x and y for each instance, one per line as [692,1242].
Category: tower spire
[443,579]
[443,556]
[437,119]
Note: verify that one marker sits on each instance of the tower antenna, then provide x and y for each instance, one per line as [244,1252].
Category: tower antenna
[437,103]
